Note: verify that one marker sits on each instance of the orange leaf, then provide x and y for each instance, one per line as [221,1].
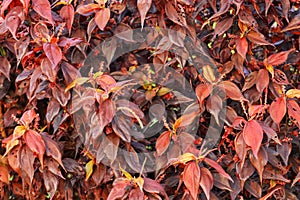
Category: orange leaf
[102,17]
[36,144]
[206,181]
[191,178]
[215,165]
[277,58]
[4,174]
[253,135]
[277,109]
[163,142]
[242,46]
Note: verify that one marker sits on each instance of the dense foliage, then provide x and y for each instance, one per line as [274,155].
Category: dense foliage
[142,99]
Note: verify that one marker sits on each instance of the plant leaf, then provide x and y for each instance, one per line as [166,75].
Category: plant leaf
[206,181]
[102,17]
[43,8]
[143,7]
[253,135]
[277,109]
[215,165]
[191,178]
[53,53]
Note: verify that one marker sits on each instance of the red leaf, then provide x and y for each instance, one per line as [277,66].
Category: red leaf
[51,183]
[52,149]
[5,67]
[242,46]
[206,181]
[162,142]
[12,20]
[152,186]
[172,14]
[223,26]
[268,3]
[202,92]
[28,116]
[26,160]
[277,109]
[5,4]
[191,178]
[102,17]
[232,91]
[253,135]
[259,162]
[240,148]
[119,189]
[25,5]
[262,80]
[36,144]
[294,110]
[277,58]
[143,6]
[67,13]
[46,67]
[294,24]
[257,38]
[43,8]
[88,9]
[215,165]
[53,53]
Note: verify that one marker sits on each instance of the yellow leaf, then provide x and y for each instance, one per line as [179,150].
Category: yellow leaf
[185,158]
[140,182]
[126,174]
[19,131]
[270,68]
[78,81]
[293,93]
[163,90]
[89,169]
